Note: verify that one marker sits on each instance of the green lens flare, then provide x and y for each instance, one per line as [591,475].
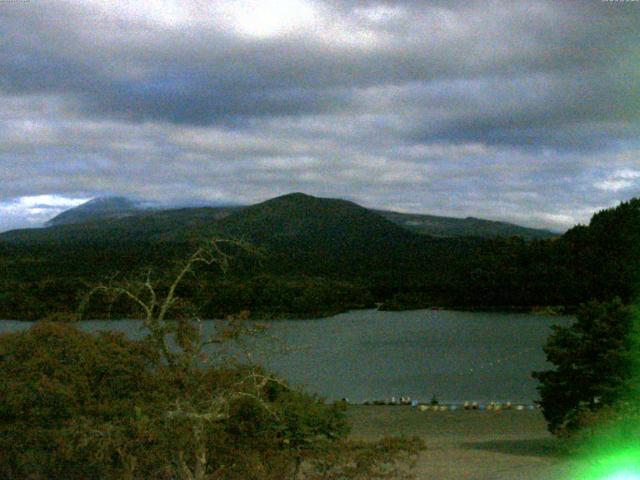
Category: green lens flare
[613,450]
[623,476]
[622,465]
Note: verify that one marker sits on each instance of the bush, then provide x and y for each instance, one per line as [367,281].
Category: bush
[79,406]
[76,406]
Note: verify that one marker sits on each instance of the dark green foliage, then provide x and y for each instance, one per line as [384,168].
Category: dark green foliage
[75,405]
[607,253]
[55,381]
[594,361]
[323,256]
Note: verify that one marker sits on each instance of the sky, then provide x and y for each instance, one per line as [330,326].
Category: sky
[522,111]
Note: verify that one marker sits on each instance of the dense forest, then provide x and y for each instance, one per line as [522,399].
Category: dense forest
[317,257]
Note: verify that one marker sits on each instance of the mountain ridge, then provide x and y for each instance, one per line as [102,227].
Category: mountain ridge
[111,209]
[444,226]
[96,209]
[320,256]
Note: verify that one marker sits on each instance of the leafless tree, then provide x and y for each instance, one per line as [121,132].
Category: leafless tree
[181,342]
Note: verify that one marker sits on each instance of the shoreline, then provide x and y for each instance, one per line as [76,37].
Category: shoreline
[470,445]
[551,311]
[467,405]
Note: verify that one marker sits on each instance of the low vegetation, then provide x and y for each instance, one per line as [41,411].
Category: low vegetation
[77,406]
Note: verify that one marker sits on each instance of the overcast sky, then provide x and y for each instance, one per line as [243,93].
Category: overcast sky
[525,111]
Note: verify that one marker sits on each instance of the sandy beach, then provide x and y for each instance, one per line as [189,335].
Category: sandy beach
[470,445]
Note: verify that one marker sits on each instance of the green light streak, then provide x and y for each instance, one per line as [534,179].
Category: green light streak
[612,451]
[624,476]
[622,465]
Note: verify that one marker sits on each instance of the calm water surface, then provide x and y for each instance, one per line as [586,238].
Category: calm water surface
[369,355]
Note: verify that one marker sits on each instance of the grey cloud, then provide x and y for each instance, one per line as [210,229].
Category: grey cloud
[168,163]
[203,75]
[508,110]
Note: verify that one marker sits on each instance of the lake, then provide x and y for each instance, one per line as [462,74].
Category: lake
[370,355]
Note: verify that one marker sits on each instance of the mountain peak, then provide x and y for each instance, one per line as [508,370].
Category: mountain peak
[96,209]
[301,215]
[295,197]
[109,201]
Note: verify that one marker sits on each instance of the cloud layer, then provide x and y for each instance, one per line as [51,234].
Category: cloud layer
[521,111]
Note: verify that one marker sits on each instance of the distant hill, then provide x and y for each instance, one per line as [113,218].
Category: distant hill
[463,227]
[303,234]
[321,255]
[298,215]
[138,225]
[124,214]
[97,209]
[321,235]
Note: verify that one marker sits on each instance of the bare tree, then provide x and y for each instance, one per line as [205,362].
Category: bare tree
[180,341]
[158,308]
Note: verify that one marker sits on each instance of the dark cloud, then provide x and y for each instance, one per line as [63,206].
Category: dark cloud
[119,64]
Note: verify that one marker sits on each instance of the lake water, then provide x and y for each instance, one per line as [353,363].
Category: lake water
[370,355]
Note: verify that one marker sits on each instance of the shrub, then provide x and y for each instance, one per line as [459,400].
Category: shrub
[78,406]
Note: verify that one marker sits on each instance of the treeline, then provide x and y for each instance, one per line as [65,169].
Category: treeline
[322,273]
[600,261]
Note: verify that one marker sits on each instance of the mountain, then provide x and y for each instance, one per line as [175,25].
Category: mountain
[163,220]
[97,209]
[303,234]
[292,221]
[321,255]
[463,227]
[320,235]
[136,225]
[298,215]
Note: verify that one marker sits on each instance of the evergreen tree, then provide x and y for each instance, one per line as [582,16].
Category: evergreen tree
[593,361]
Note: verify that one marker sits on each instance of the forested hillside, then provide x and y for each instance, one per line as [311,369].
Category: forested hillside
[438,226]
[320,256]
[133,216]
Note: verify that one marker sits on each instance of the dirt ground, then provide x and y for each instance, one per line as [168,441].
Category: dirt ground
[473,445]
